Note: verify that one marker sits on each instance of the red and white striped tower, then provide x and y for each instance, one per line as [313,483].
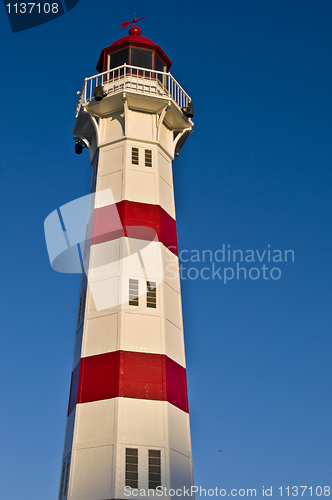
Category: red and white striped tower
[128,421]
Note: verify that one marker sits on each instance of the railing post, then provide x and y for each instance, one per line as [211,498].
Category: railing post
[168,84]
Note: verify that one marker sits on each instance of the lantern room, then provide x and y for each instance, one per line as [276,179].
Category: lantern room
[134,77]
[134,50]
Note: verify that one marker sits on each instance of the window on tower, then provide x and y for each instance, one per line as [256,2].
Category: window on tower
[151,294]
[79,311]
[65,489]
[133,292]
[160,66]
[81,308]
[83,303]
[148,158]
[94,175]
[62,480]
[142,58]
[154,469]
[131,467]
[134,156]
[118,58]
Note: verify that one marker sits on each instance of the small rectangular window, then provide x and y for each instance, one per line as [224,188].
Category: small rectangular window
[151,294]
[133,292]
[131,467]
[154,469]
[134,156]
[148,158]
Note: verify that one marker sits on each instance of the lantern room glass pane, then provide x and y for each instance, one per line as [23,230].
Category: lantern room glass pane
[141,57]
[119,58]
[160,66]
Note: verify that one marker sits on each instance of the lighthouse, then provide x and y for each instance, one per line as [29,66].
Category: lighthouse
[128,431]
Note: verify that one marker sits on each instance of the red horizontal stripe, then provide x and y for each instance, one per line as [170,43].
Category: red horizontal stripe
[137,220]
[106,224]
[98,377]
[132,375]
[142,375]
[176,386]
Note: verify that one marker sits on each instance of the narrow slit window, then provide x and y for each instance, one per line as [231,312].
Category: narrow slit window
[133,292]
[148,158]
[81,308]
[67,478]
[134,156]
[83,304]
[151,294]
[94,174]
[79,311]
[154,469]
[131,467]
[62,480]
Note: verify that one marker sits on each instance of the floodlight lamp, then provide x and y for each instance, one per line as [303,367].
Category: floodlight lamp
[99,93]
[189,110]
[78,147]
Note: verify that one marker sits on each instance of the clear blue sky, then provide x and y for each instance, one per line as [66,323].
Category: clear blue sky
[255,172]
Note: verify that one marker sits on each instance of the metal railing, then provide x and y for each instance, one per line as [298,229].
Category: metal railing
[133,78]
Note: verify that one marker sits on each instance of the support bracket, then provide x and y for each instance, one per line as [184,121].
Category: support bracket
[126,114]
[181,139]
[160,118]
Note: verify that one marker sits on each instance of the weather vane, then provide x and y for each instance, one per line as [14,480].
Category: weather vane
[126,23]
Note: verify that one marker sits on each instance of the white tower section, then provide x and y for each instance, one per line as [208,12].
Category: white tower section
[128,418]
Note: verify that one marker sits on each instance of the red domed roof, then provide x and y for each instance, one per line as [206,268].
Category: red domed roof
[136,41]
[131,38]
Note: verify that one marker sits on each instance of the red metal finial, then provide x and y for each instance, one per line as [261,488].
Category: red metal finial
[134,30]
